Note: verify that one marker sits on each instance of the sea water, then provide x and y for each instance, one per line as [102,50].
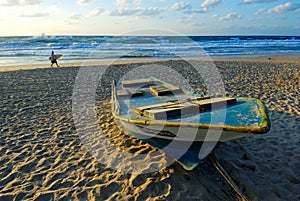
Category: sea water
[19,50]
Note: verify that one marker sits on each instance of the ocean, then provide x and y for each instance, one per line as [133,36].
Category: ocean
[23,50]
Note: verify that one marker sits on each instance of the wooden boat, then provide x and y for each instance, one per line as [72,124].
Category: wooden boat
[184,125]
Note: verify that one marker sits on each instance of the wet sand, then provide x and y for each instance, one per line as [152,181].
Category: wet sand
[43,157]
[289,59]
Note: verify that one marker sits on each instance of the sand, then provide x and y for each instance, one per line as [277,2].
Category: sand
[42,156]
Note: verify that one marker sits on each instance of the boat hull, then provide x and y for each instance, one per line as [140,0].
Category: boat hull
[188,153]
[192,136]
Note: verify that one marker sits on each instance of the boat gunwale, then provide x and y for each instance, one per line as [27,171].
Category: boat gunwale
[262,128]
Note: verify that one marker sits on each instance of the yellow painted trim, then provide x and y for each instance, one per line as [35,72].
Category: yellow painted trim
[262,128]
[265,123]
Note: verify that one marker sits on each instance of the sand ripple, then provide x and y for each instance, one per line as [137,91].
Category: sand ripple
[42,157]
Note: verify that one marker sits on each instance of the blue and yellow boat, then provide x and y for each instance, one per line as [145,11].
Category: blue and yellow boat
[185,126]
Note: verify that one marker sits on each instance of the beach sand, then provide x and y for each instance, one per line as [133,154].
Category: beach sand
[42,156]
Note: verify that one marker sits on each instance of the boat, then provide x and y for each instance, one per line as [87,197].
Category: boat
[184,125]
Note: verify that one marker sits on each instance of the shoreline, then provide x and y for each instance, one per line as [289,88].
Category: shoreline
[290,59]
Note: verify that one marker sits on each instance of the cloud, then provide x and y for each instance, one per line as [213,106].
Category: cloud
[231,16]
[20,2]
[180,6]
[261,10]
[296,27]
[214,16]
[125,12]
[258,1]
[122,2]
[30,2]
[152,11]
[95,12]
[84,2]
[137,2]
[74,18]
[196,11]
[186,20]
[210,3]
[35,15]
[287,7]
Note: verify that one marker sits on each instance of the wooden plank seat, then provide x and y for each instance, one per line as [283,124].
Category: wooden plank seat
[137,82]
[168,109]
[129,93]
[182,107]
[166,89]
[122,93]
[215,103]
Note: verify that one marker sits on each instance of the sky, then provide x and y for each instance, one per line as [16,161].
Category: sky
[117,17]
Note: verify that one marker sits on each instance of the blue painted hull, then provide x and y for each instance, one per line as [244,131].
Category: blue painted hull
[186,137]
[186,153]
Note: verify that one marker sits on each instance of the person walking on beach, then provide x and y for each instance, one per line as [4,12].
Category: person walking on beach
[53,59]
